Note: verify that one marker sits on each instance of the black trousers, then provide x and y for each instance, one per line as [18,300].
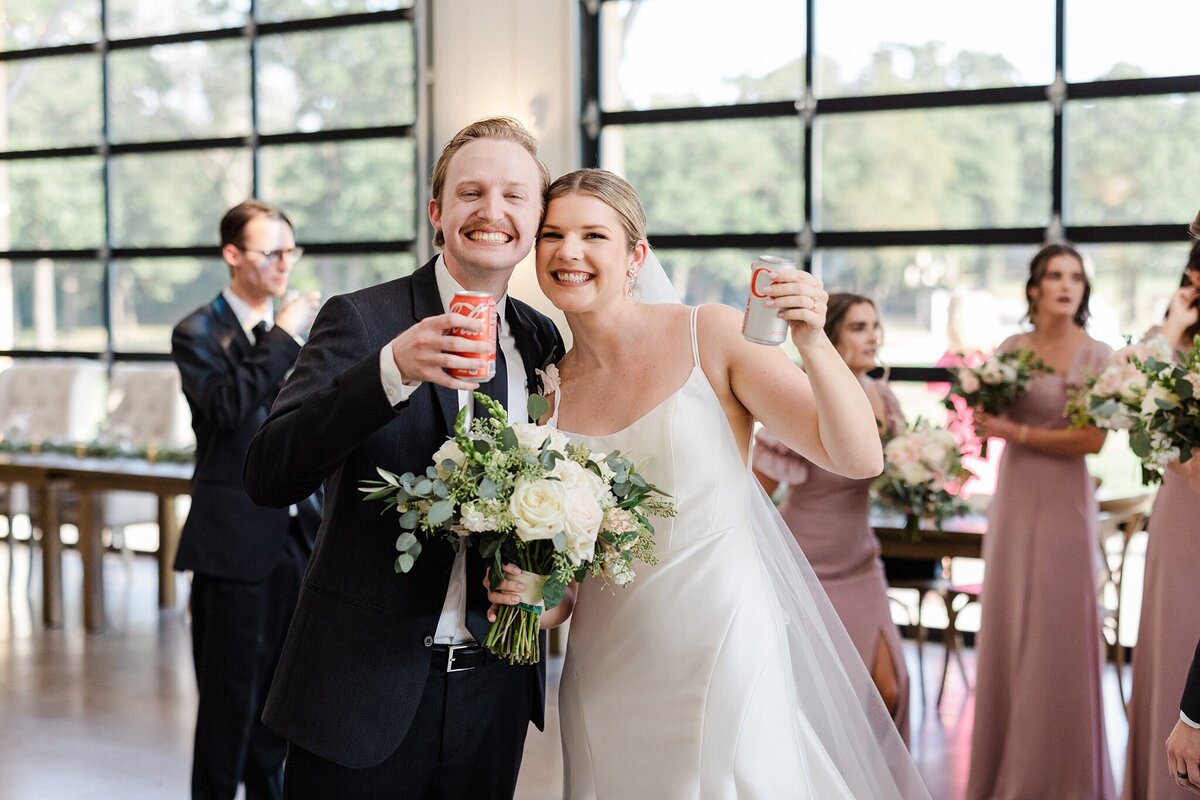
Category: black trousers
[465,741]
[237,635]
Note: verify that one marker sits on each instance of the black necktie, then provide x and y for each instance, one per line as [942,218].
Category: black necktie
[260,330]
[497,387]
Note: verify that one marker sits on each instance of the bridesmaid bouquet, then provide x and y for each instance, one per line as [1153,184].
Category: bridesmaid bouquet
[919,465]
[1155,398]
[994,385]
[524,494]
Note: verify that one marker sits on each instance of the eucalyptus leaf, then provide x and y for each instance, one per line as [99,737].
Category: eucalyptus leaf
[552,592]
[424,487]
[508,439]
[440,512]
[405,542]
[488,489]
[404,562]
[560,541]
[409,519]
[537,407]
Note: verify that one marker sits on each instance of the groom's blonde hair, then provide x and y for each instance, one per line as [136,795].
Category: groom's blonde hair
[610,189]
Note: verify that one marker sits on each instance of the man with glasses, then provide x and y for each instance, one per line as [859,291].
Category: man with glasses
[246,561]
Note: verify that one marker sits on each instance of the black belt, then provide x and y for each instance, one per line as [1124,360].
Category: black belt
[459,657]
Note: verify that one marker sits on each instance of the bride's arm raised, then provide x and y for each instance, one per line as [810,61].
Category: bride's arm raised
[821,412]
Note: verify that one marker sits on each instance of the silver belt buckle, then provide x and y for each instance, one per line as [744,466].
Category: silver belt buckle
[450,658]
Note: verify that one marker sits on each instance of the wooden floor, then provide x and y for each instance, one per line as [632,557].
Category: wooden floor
[110,715]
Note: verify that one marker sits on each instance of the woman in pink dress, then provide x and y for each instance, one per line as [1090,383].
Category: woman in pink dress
[1170,621]
[1039,721]
[828,513]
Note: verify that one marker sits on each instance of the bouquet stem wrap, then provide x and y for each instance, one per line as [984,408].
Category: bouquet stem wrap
[514,635]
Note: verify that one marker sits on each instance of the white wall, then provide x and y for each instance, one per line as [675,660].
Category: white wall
[512,57]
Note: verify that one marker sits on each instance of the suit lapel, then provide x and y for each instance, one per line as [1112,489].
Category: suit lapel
[428,303]
[234,341]
[525,333]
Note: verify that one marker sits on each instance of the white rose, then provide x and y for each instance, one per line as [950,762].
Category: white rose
[1157,392]
[538,508]
[583,519]
[968,381]
[1133,384]
[577,477]
[914,473]
[934,455]
[448,451]
[532,436]
[992,373]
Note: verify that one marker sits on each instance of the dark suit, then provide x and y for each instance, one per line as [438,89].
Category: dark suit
[356,667]
[247,561]
[1190,704]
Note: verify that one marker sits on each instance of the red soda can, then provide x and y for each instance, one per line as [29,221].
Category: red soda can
[476,305]
[761,323]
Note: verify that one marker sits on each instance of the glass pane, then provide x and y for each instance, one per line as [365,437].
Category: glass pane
[39,113]
[193,90]
[129,19]
[939,168]
[51,204]
[1132,285]
[730,176]
[36,23]
[345,78]
[51,305]
[866,47]
[713,276]
[664,53]
[344,191]
[1123,165]
[151,295]
[1108,39]
[278,10]
[331,274]
[175,199]
[934,301]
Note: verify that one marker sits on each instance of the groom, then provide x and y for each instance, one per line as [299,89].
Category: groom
[383,688]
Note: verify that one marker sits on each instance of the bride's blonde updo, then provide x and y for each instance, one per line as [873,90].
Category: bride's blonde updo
[610,189]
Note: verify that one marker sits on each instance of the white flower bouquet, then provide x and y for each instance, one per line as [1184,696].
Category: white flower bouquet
[920,466]
[524,494]
[1153,396]
[993,386]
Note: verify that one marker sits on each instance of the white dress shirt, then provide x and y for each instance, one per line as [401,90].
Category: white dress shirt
[452,626]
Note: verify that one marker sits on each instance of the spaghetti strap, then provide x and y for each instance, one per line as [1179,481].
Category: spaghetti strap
[695,341]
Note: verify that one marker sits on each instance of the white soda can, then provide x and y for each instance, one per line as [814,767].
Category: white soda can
[762,323]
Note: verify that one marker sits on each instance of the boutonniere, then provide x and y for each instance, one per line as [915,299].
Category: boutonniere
[547,377]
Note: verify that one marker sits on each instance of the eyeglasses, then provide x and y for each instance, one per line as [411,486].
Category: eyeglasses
[272,257]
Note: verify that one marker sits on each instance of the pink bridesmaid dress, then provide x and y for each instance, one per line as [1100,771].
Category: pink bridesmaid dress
[829,516]
[1039,721]
[1170,617]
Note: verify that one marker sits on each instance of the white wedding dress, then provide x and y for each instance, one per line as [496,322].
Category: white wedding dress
[694,681]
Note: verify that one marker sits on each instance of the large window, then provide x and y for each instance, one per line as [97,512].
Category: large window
[917,153]
[127,128]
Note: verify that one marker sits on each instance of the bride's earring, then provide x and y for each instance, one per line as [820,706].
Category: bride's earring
[632,274]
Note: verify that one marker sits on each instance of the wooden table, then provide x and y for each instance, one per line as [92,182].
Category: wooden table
[34,473]
[92,476]
[47,475]
[960,537]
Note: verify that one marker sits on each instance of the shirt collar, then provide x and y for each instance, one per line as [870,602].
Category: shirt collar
[247,317]
[448,287]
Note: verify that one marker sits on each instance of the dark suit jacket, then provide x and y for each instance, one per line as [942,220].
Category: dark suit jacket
[357,655]
[230,384]
[1190,704]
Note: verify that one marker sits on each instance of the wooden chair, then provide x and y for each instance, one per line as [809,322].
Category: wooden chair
[1120,519]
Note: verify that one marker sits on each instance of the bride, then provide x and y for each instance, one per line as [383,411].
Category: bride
[722,671]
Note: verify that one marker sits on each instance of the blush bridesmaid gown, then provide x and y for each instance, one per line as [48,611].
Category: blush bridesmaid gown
[1039,721]
[1167,634]
[829,517]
